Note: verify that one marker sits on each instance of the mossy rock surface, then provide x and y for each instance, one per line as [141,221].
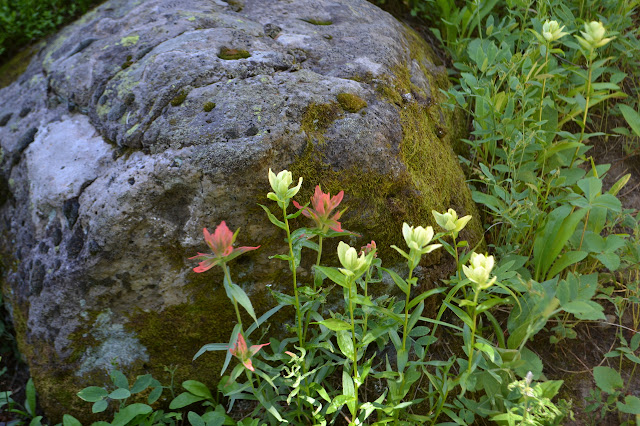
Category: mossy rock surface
[148,136]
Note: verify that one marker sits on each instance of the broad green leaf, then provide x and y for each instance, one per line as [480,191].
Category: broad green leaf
[585,310]
[120,393]
[334,275]
[123,417]
[195,419]
[335,324]
[632,117]
[99,406]
[198,389]
[607,379]
[69,420]
[119,379]
[631,405]
[155,395]
[345,343]
[184,399]
[92,394]
[142,382]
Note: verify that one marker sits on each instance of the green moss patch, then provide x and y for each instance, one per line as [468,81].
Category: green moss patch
[233,54]
[207,107]
[179,99]
[12,69]
[350,102]
[317,21]
[317,118]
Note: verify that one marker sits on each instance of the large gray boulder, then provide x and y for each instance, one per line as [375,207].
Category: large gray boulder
[144,122]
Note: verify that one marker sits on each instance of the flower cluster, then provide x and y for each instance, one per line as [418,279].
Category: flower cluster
[593,36]
[551,31]
[221,243]
[243,353]
[480,270]
[449,221]
[280,184]
[322,206]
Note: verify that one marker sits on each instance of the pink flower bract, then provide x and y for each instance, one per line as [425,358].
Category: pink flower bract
[244,354]
[221,243]
[321,208]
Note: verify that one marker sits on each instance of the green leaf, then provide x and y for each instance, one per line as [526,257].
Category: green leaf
[274,219]
[335,324]
[92,394]
[184,399]
[345,343]
[30,402]
[631,405]
[69,420]
[99,406]
[142,382]
[155,395]
[232,341]
[37,421]
[119,379]
[334,275]
[120,393]
[585,310]
[566,260]
[264,317]
[241,297]
[426,294]
[400,282]
[130,412]
[195,419]
[211,347]
[198,389]
[607,379]
[632,117]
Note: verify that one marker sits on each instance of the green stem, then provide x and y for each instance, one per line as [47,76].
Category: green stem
[405,332]
[227,275]
[586,109]
[473,330]
[355,348]
[307,320]
[292,265]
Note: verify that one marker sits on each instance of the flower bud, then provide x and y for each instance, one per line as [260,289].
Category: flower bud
[349,259]
[280,184]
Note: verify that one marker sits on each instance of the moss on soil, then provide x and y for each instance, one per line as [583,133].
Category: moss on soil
[317,21]
[317,118]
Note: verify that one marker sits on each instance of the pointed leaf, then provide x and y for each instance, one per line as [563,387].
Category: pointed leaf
[335,324]
[242,298]
[124,416]
[607,379]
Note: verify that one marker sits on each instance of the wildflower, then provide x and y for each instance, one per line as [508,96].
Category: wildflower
[552,31]
[449,221]
[221,243]
[480,270]
[350,260]
[280,184]
[322,205]
[418,238]
[371,247]
[593,36]
[244,354]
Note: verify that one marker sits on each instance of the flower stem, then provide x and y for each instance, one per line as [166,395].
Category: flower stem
[308,317]
[352,284]
[474,318]
[227,275]
[405,332]
[292,266]
[586,109]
